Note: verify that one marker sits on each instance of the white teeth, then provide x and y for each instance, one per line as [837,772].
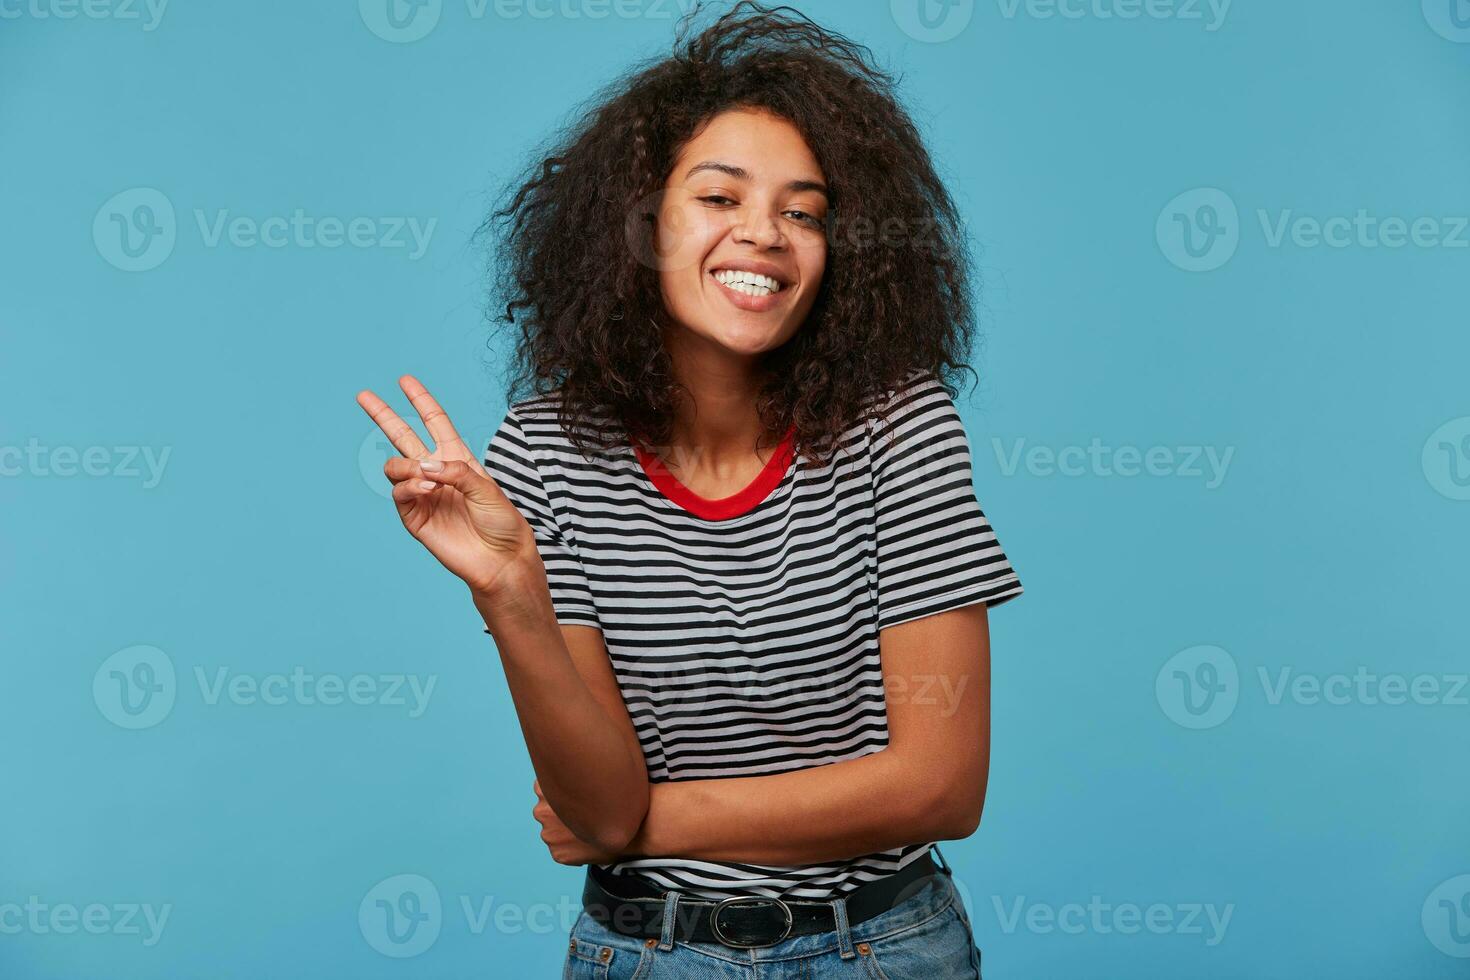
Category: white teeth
[748,283]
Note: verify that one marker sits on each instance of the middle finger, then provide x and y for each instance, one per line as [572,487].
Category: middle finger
[399,432]
[436,420]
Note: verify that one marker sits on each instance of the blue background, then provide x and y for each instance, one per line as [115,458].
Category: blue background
[1335,540]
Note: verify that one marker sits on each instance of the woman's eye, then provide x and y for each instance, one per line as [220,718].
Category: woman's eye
[720,200]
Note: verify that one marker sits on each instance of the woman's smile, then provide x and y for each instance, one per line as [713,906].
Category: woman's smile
[750,291]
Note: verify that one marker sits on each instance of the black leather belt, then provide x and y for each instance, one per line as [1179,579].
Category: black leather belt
[633,905]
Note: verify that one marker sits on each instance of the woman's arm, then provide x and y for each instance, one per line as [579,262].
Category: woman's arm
[927,784]
[582,743]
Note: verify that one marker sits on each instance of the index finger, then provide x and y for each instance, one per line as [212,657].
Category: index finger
[399,432]
[436,420]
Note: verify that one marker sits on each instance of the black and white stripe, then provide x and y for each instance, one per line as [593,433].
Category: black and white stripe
[749,645]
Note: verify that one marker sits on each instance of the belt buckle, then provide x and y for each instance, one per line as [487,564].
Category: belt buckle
[714,920]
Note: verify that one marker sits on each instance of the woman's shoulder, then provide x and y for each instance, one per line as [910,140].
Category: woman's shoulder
[536,407]
[917,394]
[544,426]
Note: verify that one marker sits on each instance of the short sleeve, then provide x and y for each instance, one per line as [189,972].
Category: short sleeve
[511,463]
[936,550]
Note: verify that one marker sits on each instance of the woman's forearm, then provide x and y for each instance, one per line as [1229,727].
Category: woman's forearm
[825,813]
[589,773]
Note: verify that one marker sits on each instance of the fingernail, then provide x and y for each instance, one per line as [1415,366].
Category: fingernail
[427,484]
[431,465]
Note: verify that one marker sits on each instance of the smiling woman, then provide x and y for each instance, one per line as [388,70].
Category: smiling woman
[732,526]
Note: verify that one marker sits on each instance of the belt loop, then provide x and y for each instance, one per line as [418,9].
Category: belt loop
[943,864]
[844,935]
[671,913]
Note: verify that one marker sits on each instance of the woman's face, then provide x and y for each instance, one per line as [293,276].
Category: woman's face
[745,200]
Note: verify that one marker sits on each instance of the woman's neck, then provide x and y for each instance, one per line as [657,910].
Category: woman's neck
[717,435]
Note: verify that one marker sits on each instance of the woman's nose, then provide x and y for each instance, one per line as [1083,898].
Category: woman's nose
[759,228]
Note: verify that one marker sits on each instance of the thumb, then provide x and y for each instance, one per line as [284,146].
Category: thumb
[474,484]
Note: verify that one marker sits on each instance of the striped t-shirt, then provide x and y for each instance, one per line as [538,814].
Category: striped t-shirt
[744,635]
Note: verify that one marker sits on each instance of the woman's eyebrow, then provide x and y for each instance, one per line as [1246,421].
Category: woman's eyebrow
[740,173]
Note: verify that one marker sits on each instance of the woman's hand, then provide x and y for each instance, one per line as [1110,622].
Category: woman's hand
[565,846]
[449,503]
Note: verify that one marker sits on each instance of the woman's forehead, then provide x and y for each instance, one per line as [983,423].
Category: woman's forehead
[759,145]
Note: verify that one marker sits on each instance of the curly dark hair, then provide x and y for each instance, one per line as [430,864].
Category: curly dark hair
[571,267]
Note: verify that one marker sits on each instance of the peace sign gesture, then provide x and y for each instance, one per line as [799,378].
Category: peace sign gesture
[448,502]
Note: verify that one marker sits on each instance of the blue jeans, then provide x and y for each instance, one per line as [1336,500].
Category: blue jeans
[925,937]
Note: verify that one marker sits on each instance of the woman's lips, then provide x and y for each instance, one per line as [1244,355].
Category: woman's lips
[745,301]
